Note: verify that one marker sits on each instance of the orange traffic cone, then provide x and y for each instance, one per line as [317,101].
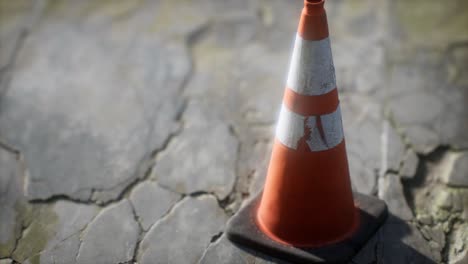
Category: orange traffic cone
[307,211]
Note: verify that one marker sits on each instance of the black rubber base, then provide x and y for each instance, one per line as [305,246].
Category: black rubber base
[243,230]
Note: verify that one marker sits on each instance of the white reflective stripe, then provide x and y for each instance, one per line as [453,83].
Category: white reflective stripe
[311,71]
[290,129]
[332,131]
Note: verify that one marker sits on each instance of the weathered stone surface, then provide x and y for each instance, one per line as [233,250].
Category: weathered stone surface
[111,237]
[10,201]
[244,93]
[425,219]
[391,191]
[206,150]
[410,165]
[257,160]
[457,176]
[457,66]
[416,80]
[357,31]
[151,202]
[437,234]
[86,119]
[186,232]
[196,15]
[51,230]
[393,148]
[363,128]
[458,253]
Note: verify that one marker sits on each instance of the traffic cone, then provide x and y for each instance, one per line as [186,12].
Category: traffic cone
[307,211]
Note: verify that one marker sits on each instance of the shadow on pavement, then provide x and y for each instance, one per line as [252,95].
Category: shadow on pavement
[394,243]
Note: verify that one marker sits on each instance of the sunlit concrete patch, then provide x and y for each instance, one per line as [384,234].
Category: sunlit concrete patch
[151,202]
[456,173]
[358,31]
[182,242]
[425,105]
[206,150]
[54,234]
[372,144]
[391,191]
[111,237]
[86,120]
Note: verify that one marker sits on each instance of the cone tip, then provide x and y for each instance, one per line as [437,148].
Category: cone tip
[313,6]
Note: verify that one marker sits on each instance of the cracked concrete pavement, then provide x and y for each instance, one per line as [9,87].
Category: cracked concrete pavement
[130,131]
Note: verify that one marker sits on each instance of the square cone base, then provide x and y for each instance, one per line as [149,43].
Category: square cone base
[242,229]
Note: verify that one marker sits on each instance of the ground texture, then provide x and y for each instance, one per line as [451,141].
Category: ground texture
[131,131]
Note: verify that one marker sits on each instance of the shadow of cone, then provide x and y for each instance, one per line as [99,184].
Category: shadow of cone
[307,211]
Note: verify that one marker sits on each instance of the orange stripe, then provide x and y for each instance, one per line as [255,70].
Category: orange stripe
[311,105]
[313,24]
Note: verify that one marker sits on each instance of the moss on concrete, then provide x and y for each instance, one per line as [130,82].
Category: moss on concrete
[22,219]
[117,10]
[40,222]
[12,10]
[168,17]
[432,22]
[7,247]
[36,259]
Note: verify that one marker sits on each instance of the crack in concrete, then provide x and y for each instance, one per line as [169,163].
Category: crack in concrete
[140,234]
[232,198]
[146,165]
[190,41]
[215,238]
[143,233]
[147,162]
[7,147]
[126,192]
[167,213]
[80,238]
[24,228]
[420,177]
[68,237]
